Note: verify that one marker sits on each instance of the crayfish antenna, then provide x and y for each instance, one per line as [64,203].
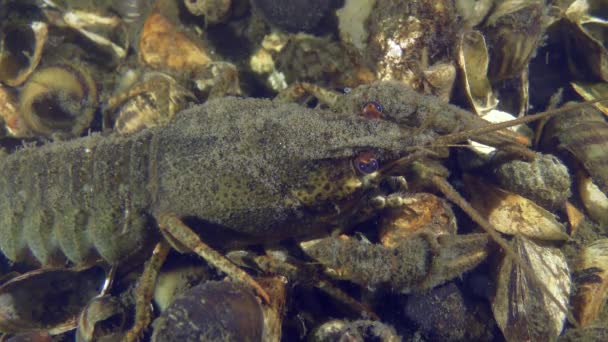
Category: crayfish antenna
[453,195]
[506,140]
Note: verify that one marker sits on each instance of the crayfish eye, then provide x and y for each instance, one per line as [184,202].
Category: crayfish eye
[372,110]
[366,163]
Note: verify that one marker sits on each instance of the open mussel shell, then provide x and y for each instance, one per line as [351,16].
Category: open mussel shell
[523,311]
[21,48]
[59,99]
[103,319]
[513,214]
[213,311]
[108,32]
[587,25]
[513,30]
[592,280]
[47,300]
[473,63]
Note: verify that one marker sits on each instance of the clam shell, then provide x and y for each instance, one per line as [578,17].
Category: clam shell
[521,309]
[592,281]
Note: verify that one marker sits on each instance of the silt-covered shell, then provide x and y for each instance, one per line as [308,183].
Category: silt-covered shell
[545,180]
[213,311]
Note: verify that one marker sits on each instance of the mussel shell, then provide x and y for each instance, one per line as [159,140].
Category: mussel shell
[59,99]
[592,281]
[580,137]
[521,309]
[21,48]
[473,62]
[513,30]
[101,320]
[586,25]
[213,311]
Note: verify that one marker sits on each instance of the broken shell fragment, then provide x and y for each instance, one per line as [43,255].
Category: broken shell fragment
[103,319]
[163,46]
[213,311]
[592,282]
[37,300]
[21,48]
[421,212]
[522,310]
[150,102]
[513,214]
[59,99]
[473,63]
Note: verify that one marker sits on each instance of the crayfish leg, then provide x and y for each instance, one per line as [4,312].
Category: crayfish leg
[178,233]
[145,291]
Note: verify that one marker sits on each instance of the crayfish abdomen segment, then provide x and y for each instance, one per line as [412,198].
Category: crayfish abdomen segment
[77,200]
